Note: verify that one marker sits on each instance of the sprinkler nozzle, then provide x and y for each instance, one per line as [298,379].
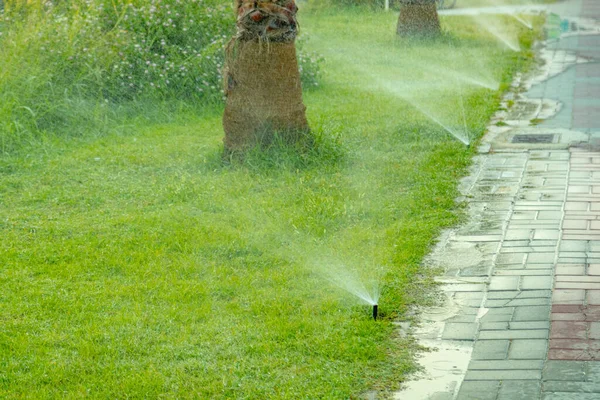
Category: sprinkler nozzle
[375,311]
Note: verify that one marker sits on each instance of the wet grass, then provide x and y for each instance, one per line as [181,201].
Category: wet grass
[138,264]
[496,3]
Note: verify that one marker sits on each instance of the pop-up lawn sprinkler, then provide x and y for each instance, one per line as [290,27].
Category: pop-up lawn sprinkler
[375,311]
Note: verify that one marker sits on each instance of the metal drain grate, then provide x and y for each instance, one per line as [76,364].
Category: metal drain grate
[533,139]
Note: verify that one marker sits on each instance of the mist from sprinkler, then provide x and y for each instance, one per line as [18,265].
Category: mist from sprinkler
[412,93]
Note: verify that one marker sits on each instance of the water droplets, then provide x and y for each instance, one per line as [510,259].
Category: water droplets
[362,281]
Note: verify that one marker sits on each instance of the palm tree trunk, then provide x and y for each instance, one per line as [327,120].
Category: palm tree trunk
[262,80]
[418,18]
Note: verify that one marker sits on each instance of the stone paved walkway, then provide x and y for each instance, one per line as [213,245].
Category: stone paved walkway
[522,282]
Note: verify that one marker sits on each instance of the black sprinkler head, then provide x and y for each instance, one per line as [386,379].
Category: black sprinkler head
[375,311]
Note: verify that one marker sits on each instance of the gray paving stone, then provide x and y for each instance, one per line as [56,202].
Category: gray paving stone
[514,374]
[544,243]
[464,287]
[579,387]
[551,215]
[594,245]
[478,238]
[538,207]
[460,296]
[536,258]
[441,396]
[529,302]
[490,350]
[519,390]
[462,318]
[523,271]
[516,294]
[529,325]
[459,331]
[573,257]
[577,285]
[519,234]
[545,234]
[514,334]
[570,269]
[516,243]
[503,283]
[566,260]
[524,349]
[506,365]
[482,390]
[592,369]
[538,266]
[558,370]
[534,313]
[498,315]
[518,302]
[572,254]
[469,310]
[474,271]
[529,215]
[511,258]
[520,249]
[493,326]
[537,282]
[569,396]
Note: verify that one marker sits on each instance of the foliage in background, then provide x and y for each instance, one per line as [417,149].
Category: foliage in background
[323,5]
[309,63]
[64,63]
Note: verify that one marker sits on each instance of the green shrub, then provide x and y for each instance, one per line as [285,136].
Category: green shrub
[130,48]
[367,5]
[309,64]
[90,53]
[171,48]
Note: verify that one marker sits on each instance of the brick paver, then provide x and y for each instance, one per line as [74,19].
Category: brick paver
[575,328]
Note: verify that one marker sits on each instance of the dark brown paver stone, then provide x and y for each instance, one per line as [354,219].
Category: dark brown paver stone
[578,355]
[570,344]
[568,330]
[567,317]
[592,313]
[565,308]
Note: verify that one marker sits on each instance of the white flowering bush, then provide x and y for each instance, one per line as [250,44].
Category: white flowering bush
[55,54]
[166,47]
[309,64]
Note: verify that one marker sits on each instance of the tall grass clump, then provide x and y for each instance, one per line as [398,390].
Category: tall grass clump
[69,67]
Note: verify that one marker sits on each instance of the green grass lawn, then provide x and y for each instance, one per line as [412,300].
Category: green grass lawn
[495,3]
[139,265]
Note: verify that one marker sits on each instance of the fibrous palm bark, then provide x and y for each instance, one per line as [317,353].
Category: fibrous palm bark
[262,80]
[418,18]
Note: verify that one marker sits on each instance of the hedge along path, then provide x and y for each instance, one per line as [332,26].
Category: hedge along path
[262,80]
